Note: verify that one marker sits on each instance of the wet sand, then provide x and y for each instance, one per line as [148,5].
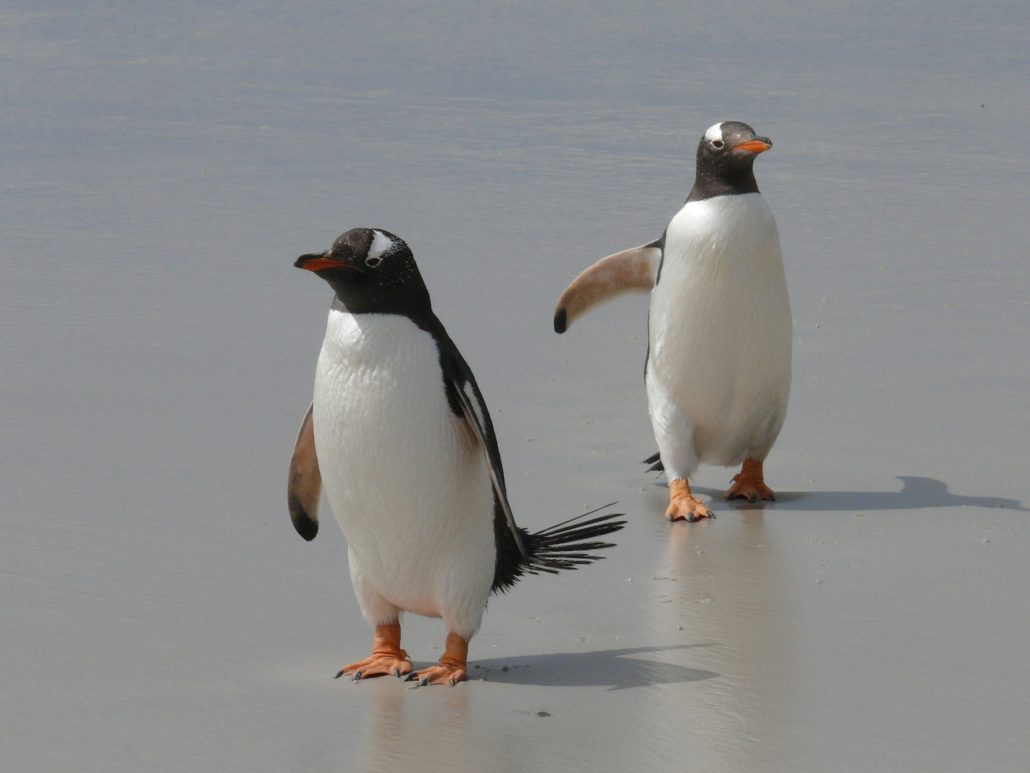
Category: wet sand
[164,168]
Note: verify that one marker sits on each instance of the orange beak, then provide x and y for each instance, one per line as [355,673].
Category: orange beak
[757,145]
[321,263]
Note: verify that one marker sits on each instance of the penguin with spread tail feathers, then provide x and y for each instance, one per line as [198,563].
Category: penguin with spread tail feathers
[719,342]
[400,437]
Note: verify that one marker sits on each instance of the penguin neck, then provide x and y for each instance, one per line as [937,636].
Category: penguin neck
[708,184]
[413,302]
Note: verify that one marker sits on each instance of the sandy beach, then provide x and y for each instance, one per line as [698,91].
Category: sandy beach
[165,166]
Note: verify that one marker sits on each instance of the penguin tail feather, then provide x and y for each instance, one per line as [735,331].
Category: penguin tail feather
[563,547]
[568,545]
[655,460]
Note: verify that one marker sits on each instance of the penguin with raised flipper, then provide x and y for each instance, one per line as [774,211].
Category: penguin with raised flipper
[719,343]
[400,437]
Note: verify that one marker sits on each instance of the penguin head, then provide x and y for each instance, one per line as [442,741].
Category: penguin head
[371,270]
[725,157]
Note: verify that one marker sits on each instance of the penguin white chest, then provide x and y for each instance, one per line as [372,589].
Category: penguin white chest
[405,478]
[720,326]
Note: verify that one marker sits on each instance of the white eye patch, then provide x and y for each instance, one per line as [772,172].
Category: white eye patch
[381,244]
[714,132]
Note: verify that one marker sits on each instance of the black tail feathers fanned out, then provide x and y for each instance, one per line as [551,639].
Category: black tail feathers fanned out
[565,546]
[655,460]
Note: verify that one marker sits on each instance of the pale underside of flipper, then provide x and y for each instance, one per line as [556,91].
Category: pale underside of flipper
[633,270]
[304,489]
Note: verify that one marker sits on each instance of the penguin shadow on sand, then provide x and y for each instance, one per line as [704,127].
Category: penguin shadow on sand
[617,669]
[917,492]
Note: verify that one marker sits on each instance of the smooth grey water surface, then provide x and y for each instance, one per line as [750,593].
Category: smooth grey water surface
[163,164]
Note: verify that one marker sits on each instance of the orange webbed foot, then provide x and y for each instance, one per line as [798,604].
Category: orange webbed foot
[387,656]
[683,505]
[749,484]
[395,664]
[439,674]
[451,668]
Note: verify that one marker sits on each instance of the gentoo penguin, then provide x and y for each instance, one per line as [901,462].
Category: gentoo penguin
[719,341]
[401,438]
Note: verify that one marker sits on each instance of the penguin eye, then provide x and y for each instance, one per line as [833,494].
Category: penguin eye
[717,144]
[373,261]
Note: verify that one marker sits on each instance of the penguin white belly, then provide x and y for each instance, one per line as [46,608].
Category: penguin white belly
[405,478]
[720,329]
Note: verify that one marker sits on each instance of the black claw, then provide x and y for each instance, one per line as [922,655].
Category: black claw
[413,675]
[753,498]
[696,518]
[423,682]
[338,675]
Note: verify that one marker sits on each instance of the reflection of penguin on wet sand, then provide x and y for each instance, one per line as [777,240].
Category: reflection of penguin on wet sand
[400,434]
[718,363]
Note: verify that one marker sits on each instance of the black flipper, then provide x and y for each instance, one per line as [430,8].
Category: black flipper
[467,402]
[564,546]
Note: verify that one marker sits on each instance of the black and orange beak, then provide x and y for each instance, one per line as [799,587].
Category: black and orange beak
[756,145]
[322,262]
